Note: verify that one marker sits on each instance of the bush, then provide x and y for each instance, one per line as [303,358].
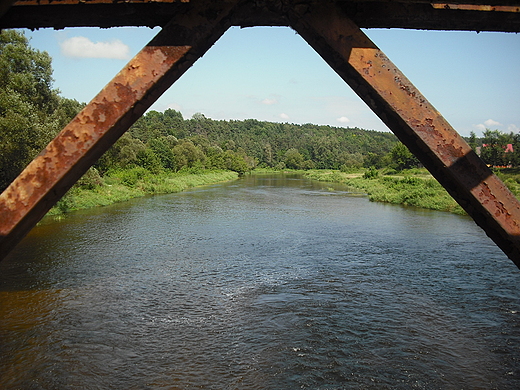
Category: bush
[90,180]
[371,174]
[130,177]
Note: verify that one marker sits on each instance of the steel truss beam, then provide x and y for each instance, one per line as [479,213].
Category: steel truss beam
[414,121]
[329,30]
[480,15]
[79,145]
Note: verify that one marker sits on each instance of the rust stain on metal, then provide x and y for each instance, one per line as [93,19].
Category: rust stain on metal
[87,2]
[476,7]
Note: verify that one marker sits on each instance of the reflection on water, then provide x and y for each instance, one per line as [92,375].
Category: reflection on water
[268,282]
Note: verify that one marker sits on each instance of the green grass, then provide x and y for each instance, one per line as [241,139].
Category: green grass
[123,185]
[411,188]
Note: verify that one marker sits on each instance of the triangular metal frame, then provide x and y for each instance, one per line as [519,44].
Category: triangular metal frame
[345,48]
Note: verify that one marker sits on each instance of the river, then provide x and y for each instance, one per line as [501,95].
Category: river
[267,282]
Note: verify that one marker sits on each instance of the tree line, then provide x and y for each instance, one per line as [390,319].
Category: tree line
[165,140]
[496,148]
[32,112]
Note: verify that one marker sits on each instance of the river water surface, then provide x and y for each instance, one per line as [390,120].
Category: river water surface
[268,282]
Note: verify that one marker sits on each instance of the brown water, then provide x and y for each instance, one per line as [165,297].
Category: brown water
[269,282]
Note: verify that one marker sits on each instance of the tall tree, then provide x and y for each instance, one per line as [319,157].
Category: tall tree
[28,104]
[402,158]
[494,147]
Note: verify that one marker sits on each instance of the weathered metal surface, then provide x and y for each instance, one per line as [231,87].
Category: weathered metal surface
[473,7]
[414,120]
[106,118]
[89,2]
[415,14]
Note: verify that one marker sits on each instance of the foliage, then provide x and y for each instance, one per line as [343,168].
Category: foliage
[124,184]
[263,144]
[493,151]
[401,158]
[31,111]
[371,174]
[414,188]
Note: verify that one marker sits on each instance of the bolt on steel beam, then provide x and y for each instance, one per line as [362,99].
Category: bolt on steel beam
[132,91]
[413,119]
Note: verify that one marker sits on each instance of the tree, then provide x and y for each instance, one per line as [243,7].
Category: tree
[31,111]
[293,159]
[186,154]
[162,147]
[472,140]
[494,147]
[402,158]
[122,154]
[149,160]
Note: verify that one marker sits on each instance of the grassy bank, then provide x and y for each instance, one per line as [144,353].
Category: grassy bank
[122,185]
[412,188]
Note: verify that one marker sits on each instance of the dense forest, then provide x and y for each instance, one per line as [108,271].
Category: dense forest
[167,141]
[32,113]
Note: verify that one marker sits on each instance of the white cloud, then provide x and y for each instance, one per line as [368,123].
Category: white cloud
[491,122]
[343,119]
[269,101]
[480,127]
[284,116]
[84,48]
[513,128]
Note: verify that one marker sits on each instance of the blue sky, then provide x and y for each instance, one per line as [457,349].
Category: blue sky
[270,73]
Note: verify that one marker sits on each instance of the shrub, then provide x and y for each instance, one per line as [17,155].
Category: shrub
[371,173]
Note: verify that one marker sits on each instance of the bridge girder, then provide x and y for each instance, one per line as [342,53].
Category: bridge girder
[471,15]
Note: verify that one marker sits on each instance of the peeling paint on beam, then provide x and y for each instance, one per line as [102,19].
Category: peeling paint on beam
[415,122]
[140,83]
[473,7]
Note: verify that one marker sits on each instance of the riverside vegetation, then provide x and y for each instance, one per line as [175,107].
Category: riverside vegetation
[414,187]
[163,152]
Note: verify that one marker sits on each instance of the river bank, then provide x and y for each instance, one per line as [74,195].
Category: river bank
[411,188]
[123,185]
[415,187]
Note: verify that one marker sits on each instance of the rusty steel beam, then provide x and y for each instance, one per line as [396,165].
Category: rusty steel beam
[414,120]
[411,14]
[473,7]
[90,2]
[153,70]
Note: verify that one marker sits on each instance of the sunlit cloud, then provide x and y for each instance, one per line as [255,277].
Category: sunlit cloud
[513,128]
[82,47]
[343,119]
[491,123]
[284,116]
